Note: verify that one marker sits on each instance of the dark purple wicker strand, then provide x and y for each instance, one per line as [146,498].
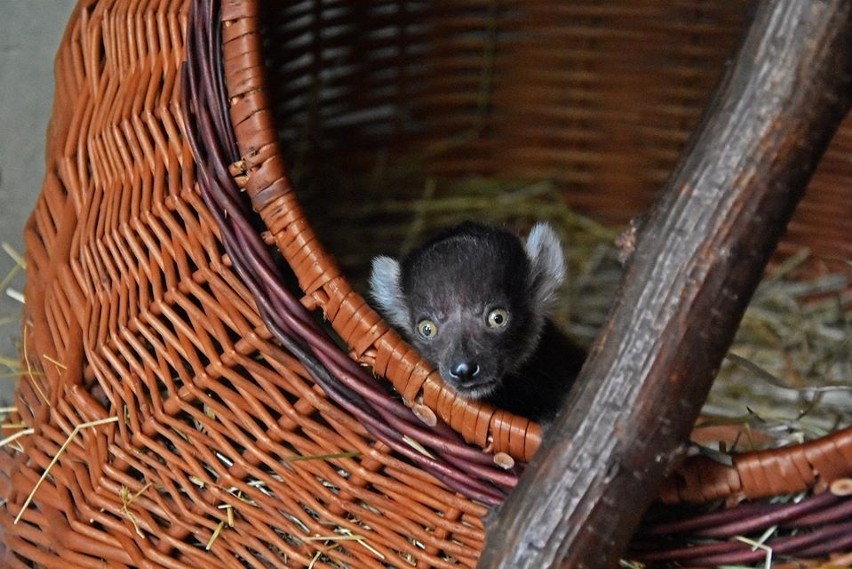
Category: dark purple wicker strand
[841,542]
[822,540]
[707,524]
[841,511]
[777,516]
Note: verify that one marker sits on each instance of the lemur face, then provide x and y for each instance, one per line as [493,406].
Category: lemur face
[472,301]
[468,308]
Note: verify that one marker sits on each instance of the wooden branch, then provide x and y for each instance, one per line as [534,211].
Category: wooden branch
[696,263]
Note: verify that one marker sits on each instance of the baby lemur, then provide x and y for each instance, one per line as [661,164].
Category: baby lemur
[475,302]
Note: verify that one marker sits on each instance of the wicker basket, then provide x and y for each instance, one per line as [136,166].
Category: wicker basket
[185,409]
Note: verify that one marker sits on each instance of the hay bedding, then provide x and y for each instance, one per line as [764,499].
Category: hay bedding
[788,372]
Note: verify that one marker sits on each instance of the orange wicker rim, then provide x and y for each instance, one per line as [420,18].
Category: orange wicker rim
[374,343]
[370,339]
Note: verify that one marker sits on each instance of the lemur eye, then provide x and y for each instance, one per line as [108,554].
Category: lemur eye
[427,329]
[498,318]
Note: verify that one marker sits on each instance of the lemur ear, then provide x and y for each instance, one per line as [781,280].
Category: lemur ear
[386,291]
[548,265]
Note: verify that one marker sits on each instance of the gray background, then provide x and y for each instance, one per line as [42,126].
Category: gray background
[30,32]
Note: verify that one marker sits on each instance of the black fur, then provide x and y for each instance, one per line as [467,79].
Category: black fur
[484,295]
[539,387]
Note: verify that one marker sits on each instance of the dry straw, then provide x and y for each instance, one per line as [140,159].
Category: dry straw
[68,441]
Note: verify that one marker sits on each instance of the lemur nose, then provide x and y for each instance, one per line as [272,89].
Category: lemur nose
[464,371]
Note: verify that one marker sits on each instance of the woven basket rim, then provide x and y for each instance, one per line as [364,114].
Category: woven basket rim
[753,474]
[319,276]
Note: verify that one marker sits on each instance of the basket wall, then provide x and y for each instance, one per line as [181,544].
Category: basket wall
[144,346]
[598,98]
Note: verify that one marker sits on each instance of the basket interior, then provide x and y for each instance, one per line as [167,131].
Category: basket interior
[598,100]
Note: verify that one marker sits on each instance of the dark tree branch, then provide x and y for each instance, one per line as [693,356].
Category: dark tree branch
[696,263]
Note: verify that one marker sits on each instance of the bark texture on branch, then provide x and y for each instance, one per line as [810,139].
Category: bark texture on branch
[697,261]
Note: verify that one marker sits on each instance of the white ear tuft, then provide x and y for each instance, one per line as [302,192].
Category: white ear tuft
[386,290]
[548,265]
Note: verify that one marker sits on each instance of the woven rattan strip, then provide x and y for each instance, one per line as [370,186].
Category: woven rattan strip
[170,426]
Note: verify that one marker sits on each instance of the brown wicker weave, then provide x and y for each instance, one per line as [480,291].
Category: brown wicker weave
[209,419]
